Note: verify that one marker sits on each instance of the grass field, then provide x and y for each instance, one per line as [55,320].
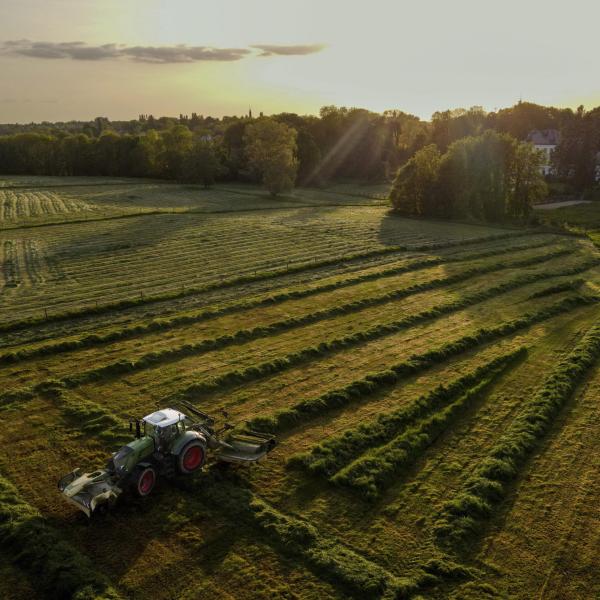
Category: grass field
[434,388]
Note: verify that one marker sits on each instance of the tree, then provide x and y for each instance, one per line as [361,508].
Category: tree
[271,148]
[202,164]
[415,186]
[527,185]
[176,143]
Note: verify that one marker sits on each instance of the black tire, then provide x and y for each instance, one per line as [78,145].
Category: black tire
[191,458]
[144,480]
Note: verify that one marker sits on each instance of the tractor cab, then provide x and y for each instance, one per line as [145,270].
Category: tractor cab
[164,426]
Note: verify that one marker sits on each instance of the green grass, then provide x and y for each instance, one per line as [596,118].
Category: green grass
[389,356]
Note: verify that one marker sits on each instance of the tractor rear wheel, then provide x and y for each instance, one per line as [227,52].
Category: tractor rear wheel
[191,458]
[144,481]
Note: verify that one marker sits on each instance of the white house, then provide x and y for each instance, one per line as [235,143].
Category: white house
[545,140]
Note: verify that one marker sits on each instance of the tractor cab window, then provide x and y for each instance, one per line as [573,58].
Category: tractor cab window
[149,429]
[167,433]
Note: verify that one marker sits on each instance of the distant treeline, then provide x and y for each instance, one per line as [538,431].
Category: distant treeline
[340,143]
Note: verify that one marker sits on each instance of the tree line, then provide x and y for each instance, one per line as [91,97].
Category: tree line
[339,143]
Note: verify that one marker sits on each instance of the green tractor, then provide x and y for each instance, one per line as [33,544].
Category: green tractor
[167,443]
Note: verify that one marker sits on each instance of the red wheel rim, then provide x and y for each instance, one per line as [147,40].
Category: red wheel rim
[147,482]
[192,458]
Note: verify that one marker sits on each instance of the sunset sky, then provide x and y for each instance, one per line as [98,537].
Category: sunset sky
[78,59]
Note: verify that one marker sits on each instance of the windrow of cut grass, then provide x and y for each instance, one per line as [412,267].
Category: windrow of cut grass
[309,409]
[462,517]
[89,418]
[241,279]
[567,286]
[278,365]
[57,569]
[378,468]
[355,575]
[129,332]
[330,455]
[262,331]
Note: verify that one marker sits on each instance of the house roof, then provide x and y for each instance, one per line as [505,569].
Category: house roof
[544,137]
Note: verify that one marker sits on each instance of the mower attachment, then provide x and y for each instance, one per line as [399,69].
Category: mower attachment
[245,447]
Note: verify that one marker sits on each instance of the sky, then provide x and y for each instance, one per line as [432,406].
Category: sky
[78,59]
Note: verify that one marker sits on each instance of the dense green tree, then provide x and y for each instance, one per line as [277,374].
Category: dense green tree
[490,177]
[415,185]
[176,144]
[271,151]
[202,164]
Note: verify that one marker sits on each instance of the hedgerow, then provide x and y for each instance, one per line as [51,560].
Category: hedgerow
[57,569]
[378,468]
[329,456]
[166,324]
[247,278]
[462,517]
[373,383]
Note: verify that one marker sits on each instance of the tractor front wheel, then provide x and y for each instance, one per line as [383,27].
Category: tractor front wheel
[144,481]
[191,458]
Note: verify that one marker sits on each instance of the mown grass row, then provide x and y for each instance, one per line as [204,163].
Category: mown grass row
[278,365]
[567,286]
[244,335]
[90,418]
[355,575]
[178,321]
[378,468]
[309,409]
[240,279]
[330,455]
[57,569]
[462,517]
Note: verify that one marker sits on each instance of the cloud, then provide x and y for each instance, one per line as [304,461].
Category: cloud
[181,53]
[177,54]
[151,54]
[299,50]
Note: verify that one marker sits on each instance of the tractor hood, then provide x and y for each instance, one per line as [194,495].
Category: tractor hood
[129,456]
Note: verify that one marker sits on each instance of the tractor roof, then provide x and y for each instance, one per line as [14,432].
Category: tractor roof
[164,417]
